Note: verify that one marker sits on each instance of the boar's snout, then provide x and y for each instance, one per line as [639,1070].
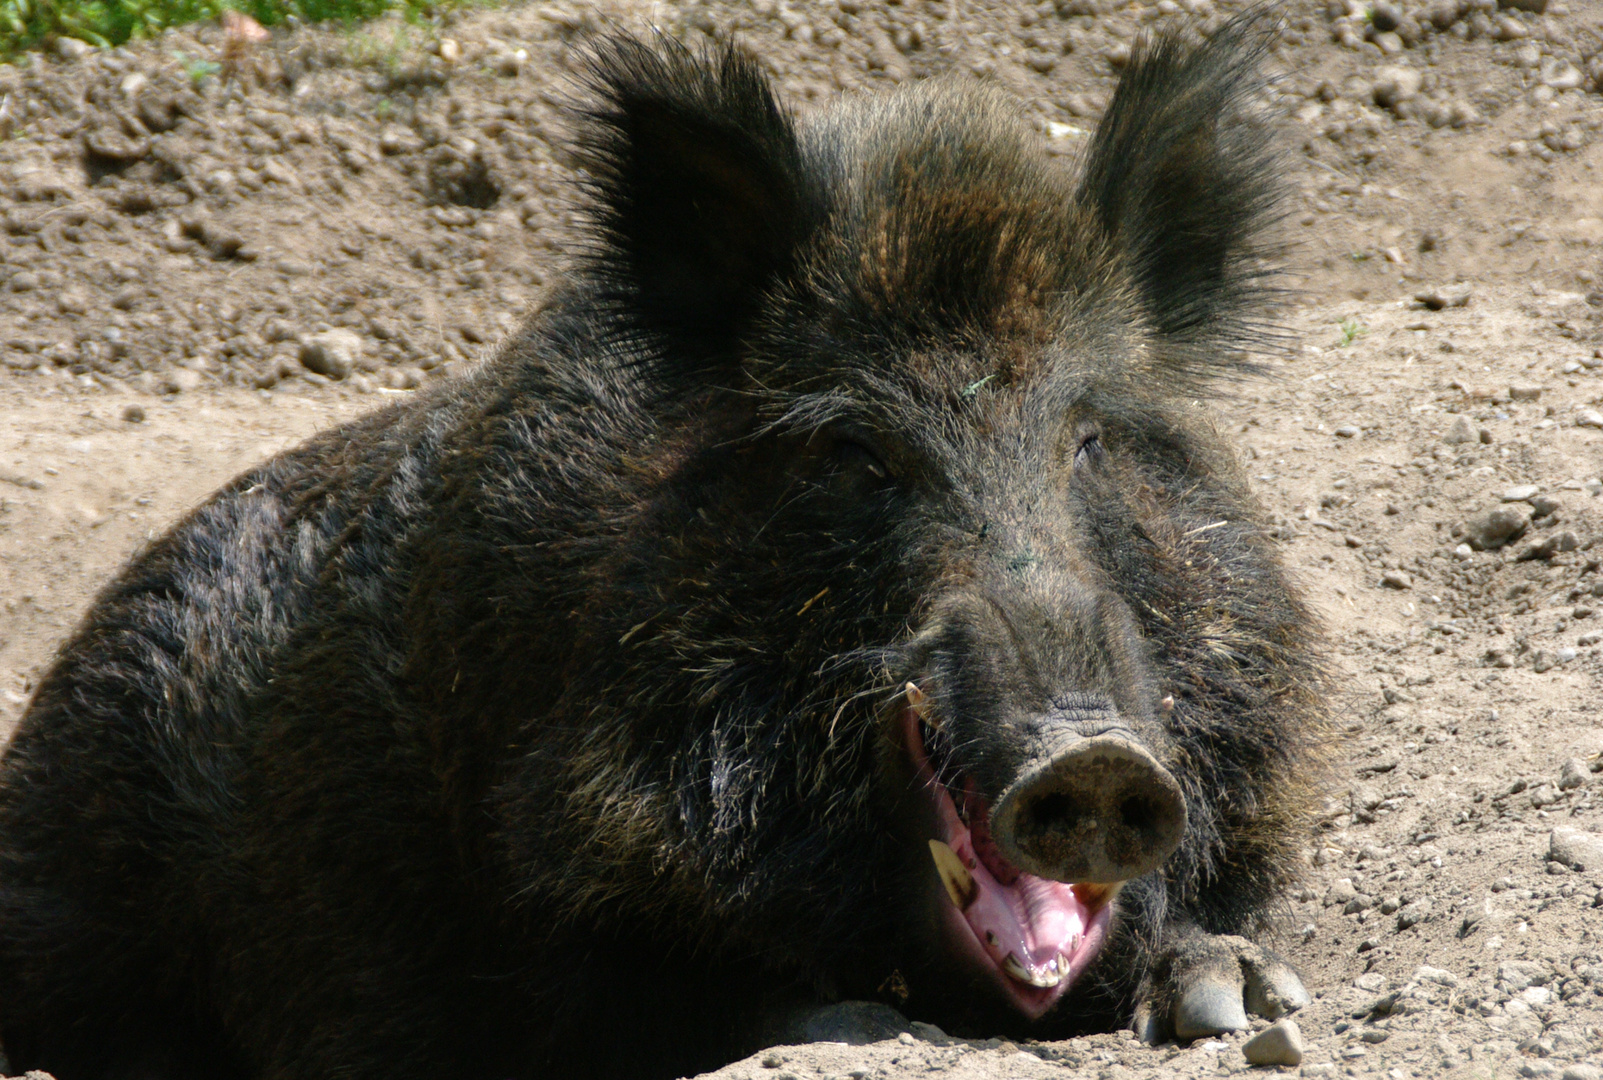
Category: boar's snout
[1098,809]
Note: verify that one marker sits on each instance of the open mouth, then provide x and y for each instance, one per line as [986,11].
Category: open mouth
[1034,936]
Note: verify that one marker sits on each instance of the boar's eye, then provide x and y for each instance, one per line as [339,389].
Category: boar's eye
[1090,451]
[855,457]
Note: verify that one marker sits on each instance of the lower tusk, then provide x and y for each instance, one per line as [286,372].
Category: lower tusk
[954,875]
[1045,978]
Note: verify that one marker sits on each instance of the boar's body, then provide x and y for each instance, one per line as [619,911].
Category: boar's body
[599,712]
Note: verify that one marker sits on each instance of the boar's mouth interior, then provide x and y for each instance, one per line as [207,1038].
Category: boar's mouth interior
[1035,935]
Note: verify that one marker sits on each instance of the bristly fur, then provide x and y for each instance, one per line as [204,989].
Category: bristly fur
[561,695]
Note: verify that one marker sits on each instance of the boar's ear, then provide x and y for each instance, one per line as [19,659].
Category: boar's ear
[697,192]
[1183,179]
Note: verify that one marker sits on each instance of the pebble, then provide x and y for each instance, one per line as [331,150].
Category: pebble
[1394,85]
[1414,914]
[1461,431]
[1553,545]
[1544,661]
[1397,579]
[332,353]
[1515,975]
[1493,529]
[1589,418]
[1348,431]
[1543,505]
[134,414]
[1278,1044]
[73,49]
[1439,976]
[1576,848]
[1582,1072]
[1445,296]
[1524,393]
[1523,493]
[1572,774]
[1372,981]
[1340,892]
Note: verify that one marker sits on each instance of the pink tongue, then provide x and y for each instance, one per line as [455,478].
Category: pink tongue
[1034,919]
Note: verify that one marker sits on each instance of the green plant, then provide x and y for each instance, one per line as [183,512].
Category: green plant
[198,71]
[1351,331]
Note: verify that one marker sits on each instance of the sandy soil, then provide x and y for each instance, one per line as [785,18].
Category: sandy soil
[193,225]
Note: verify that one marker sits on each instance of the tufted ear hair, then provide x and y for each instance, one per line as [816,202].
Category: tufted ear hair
[698,195]
[1184,180]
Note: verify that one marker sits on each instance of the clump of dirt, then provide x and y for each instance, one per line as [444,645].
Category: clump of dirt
[211,250]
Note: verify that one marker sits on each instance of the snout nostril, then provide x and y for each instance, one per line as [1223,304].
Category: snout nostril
[1140,814]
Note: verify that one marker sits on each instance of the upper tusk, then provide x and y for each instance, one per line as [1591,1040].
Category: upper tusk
[954,875]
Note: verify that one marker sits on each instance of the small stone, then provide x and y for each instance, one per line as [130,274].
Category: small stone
[1582,1072]
[1348,431]
[1557,543]
[1340,892]
[72,49]
[1543,662]
[1414,914]
[1375,1035]
[1522,493]
[510,64]
[1461,431]
[1394,85]
[1544,505]
[1524,393]
[1515,975]
[1576,849]
[1361,902]
[1572,774]
[1495,528]
[333,353]
[1397,579]
[1589,418]
[1372,981]
[1439,976]
[1445,296]
[134,414]
[1278,1044]
[1463,553]
[450,51]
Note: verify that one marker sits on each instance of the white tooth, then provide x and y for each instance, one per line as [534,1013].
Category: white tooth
[1043,979]
[954,875]
[919,702]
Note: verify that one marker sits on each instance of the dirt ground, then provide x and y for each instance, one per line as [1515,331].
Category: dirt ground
[212,248]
